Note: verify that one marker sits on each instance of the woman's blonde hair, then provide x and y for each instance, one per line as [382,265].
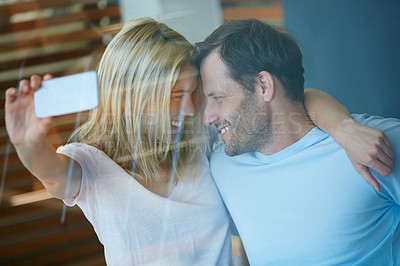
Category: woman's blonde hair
[137,72]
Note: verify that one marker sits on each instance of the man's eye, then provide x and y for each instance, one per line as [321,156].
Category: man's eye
[217,98]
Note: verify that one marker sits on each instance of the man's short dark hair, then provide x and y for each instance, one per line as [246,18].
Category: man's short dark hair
[248,46]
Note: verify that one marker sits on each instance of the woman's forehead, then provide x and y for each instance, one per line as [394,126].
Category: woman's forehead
[187,72]
[187,80]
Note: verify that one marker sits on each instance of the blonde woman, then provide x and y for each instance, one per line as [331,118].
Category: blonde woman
[145,75]
[139,167]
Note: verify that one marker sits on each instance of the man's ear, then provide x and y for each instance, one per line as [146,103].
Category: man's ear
[266,85]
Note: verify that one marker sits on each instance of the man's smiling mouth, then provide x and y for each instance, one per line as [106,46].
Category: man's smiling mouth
[224,129]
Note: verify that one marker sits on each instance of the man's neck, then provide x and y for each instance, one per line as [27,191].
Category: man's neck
[289,124]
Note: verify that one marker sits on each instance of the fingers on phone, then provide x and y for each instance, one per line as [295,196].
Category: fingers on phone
[47,121]
[35,81]
[24,87]
[11,94]
[47,77]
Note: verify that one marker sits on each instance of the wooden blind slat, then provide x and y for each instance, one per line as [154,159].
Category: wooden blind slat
[31,234]
[21,7]
[73,216]
[68,252]
[54,57]
[92,15]
[75,36]
[4,85]
[46,237]
[43,243]
[273,12]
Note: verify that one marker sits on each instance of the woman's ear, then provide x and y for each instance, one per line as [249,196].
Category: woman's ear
[266,86]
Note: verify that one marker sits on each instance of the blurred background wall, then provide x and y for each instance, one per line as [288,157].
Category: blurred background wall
[192,18]
[351,50]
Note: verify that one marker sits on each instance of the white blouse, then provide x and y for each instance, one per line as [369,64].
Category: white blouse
[138,227]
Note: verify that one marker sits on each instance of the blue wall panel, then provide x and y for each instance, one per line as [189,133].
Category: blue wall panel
[351,50]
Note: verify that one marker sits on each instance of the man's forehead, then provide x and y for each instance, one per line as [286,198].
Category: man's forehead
[213,73]
[213,60]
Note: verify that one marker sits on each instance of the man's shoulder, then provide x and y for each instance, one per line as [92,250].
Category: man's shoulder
[222,164]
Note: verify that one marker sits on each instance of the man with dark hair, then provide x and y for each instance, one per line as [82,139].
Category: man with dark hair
[292,192]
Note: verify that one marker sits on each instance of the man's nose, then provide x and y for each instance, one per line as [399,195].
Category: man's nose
[210,115]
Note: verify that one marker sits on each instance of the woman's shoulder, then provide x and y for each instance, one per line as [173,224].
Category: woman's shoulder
[82,152]
[79,147]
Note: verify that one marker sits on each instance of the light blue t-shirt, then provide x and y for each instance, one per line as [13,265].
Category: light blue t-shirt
[306,205]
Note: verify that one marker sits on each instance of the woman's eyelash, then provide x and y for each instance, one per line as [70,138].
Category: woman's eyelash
[181,95]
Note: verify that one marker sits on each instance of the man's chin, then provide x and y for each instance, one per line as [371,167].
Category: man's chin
[228,151]
[234,150]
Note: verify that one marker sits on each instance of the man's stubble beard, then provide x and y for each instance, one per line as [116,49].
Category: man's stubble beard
[251,128]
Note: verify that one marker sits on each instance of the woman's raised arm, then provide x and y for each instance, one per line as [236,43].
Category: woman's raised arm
[28,135]
[366,147]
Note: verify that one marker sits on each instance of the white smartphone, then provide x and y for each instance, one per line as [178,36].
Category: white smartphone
[68,94]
